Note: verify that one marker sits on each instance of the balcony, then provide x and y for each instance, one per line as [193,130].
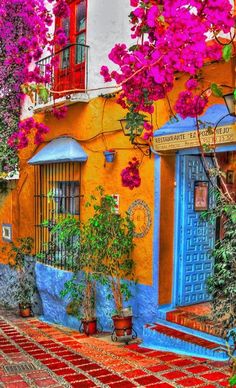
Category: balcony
[69,78]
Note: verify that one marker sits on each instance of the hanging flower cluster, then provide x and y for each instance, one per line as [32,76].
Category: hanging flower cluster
[60,113]
[189,104]
[20,139]
[24,34]
[169,39]
[130,175]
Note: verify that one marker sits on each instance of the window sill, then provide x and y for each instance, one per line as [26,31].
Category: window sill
[65,100]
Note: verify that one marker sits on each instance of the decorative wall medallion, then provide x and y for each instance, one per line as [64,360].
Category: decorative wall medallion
[140,214]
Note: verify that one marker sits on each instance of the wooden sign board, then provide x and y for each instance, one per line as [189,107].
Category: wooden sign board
[225,134]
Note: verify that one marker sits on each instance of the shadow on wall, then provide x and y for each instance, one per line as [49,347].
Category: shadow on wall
[9,287]
[5,188]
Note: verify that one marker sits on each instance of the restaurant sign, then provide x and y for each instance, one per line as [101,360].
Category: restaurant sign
[223,135]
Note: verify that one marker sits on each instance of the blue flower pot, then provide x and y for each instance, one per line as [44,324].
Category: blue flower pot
[109,156]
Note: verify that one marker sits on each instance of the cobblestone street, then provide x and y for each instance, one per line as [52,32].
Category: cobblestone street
[36,354]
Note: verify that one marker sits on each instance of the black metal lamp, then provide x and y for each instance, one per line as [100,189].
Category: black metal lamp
[230,103]
[133,133]
[128,131]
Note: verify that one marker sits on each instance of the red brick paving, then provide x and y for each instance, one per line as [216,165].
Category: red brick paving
[215,376]
[174,375]
[66,358]
[135,373]
[197,369]
[190,382]
[159,368]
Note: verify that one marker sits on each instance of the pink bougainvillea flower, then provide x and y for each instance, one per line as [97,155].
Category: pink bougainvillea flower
[130,175]
[192,83]
[189,105]
[61,9]
[60,113]
[134,3]
[24,36]
[167,39]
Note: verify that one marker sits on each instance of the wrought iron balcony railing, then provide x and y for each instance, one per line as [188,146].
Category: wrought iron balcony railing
[70,71]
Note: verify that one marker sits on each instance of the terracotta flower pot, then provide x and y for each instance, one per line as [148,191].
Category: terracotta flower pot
[89,327]
[25,311]
[122,325]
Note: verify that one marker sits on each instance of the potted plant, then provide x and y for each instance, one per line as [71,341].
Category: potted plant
[112,245]
[82,301]
[109,155]
[76,239]
[101,248]
[18,259]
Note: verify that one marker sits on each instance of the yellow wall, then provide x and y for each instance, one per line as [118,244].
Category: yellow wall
[84,121]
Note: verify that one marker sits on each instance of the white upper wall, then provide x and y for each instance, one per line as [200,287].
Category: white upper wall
[107,24]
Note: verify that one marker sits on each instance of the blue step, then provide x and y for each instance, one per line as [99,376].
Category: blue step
[175,338]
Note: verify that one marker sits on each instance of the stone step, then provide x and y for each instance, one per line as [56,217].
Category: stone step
[193,321]
[179,339]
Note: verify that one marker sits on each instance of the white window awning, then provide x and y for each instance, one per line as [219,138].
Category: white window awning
[62,149]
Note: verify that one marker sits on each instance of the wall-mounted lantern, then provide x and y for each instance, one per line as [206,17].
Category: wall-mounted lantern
[230,103]
[128,131]
[133,133]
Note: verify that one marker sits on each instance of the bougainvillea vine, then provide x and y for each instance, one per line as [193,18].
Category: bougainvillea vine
[176,37]
[24,35]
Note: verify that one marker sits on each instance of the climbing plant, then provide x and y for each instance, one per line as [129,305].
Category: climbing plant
[179,36]
[222,284]
[24,35]
[169,38]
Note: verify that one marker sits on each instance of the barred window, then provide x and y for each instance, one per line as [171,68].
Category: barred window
[66,196]
[57,194]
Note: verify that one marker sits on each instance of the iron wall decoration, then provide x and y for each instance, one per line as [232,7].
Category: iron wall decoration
[201,195]
[140,214]
[230,177]
[7,232]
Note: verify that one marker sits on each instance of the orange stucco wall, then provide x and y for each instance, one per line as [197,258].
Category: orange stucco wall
[85,122]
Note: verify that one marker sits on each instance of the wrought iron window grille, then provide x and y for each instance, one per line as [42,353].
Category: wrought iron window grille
[57,194]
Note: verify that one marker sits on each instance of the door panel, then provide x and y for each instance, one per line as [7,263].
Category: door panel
[196,238]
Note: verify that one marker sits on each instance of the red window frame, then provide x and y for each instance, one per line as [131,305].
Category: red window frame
[71,71]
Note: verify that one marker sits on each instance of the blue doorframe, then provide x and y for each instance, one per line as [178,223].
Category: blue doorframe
[177,216]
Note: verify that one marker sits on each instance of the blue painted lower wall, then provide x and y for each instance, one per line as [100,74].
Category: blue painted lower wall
[50,281]
[9,286]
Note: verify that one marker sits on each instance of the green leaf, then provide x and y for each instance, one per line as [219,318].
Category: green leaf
[161,19]
[33,87]
[232,381]
[43,93]
[216,90]
[134,47]
[235,94]
[227,52]
[24,88]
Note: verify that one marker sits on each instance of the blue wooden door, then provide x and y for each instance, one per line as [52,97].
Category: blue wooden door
[196,236]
